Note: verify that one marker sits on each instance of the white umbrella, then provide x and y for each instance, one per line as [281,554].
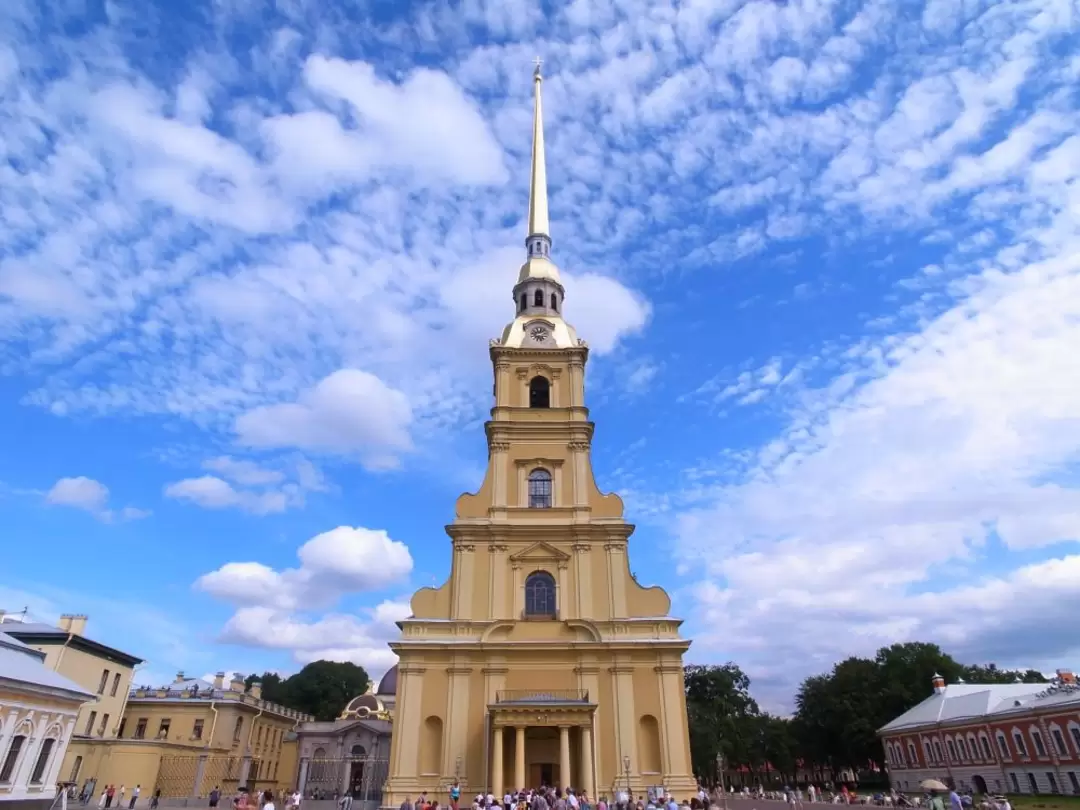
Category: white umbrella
[933,784]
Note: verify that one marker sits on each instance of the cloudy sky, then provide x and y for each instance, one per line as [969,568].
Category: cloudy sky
[826,254]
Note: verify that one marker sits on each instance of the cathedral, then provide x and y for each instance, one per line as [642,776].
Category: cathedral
[541,660]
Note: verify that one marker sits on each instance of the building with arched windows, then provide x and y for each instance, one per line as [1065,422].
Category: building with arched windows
[990,738]
[38,712]
[541,659]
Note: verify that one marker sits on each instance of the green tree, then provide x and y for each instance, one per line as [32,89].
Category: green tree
[989,673]
[721,715]
[273,688]
[323,688]
[907,671]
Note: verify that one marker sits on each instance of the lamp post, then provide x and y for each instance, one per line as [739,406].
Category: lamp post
[720,778]
[626,772]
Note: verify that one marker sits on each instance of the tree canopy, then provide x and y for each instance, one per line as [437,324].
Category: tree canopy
[837,714]
[321,688]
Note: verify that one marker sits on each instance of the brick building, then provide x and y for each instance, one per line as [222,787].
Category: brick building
[990,738]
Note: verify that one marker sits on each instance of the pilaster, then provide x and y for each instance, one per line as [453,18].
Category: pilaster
[405,742]
[625,715]
[500,452]
[456,733]
[463,574]
[617,575]
[497,603]
[583,579]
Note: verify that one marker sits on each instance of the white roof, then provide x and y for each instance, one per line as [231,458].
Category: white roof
[25,667]
[963,701]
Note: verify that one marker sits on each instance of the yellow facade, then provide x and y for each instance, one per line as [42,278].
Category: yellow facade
[101,670]
[238,738]
[541,659]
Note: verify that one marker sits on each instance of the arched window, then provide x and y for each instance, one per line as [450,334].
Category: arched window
[540,594]
[538,298]
[524,302]
[539,392]
[11,758]
[42,763]
[555,302]
[539,489]
[358,751]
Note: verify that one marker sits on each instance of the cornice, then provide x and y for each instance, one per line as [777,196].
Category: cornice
[486,531]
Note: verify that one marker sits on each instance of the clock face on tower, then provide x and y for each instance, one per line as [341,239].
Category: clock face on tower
[537,335]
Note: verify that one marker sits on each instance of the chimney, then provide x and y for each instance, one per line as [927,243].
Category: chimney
[939,684]
[74,623]
[180,677]
[1066,677]
[237,684]
[256,690]
[219,680]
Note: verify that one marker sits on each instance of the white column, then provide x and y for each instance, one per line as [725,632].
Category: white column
[587,781]
[565,779]
[519,759]
[497,763]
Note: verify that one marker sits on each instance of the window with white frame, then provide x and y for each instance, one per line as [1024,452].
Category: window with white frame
[1003,745]
[1059,741]
[1037,738]
[1074,732]
[952,748]
[937,752]
[913,758]
[929,752]
[984,743]
[1018,741]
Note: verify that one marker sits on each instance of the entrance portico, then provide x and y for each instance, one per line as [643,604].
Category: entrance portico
[548,736]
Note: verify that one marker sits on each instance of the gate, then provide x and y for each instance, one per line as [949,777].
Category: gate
[360,777]
[186,776]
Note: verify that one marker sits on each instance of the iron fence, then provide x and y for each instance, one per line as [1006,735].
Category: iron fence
[186,775]
[360,777]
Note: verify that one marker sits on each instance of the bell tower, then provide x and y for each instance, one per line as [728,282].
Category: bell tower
[542,658]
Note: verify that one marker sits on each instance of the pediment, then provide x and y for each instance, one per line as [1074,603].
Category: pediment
[539,552]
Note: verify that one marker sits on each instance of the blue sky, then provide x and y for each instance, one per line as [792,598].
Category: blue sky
[826,255]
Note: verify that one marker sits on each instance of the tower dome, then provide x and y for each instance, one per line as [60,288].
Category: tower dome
[388,684]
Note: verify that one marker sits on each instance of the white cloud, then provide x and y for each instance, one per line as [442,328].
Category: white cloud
[340,561]
[247,485]
[888,488]
[424,124]
[211,492]
[333,637]
[350,412]
[90,496]
[81,493]
[272,605]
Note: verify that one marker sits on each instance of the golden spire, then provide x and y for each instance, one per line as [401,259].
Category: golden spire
[538,201]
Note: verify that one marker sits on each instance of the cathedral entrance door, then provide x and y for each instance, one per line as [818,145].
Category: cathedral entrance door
[543,773]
